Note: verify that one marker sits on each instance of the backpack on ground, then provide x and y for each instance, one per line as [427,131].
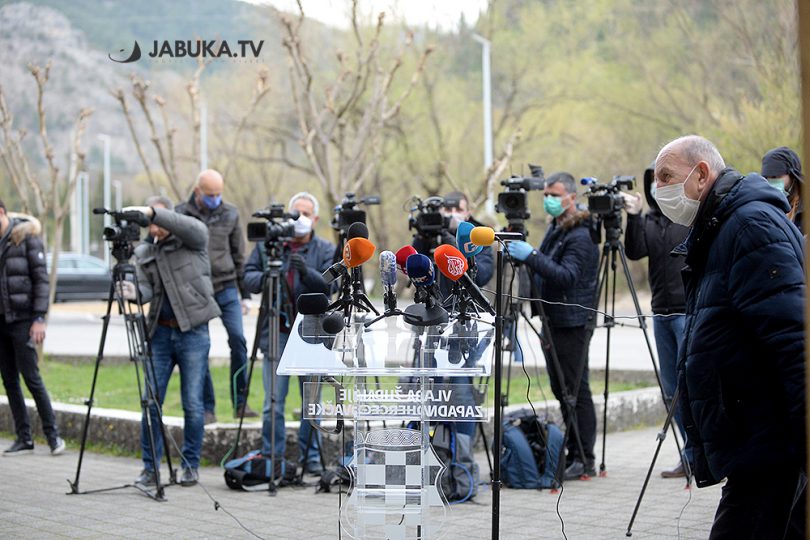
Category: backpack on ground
[532,451]
[251,472]
[461,476]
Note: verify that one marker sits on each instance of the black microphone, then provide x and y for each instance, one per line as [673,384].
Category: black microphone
[357,229]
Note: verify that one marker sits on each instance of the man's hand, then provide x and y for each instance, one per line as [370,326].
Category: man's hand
[245,306]
[520,250]
[37,332]
[126,290]
[145,210]
[297,261]
[632,203]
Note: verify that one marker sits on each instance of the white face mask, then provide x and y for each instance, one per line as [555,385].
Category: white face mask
[455,219]
[303,226]
[675,204]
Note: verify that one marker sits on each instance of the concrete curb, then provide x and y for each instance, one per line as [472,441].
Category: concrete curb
[121,429]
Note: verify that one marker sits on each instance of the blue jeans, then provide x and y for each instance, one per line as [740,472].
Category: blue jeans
[281,390]
[231,307]
[188,351]
[668,341]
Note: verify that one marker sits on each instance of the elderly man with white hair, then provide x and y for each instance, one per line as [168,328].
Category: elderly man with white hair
[741,368]
[304,258]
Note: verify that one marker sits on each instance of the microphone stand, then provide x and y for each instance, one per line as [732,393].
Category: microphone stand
[496,462]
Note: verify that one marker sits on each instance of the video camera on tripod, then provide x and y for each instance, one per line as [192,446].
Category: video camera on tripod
[606,202]
[124,232]
[279,225]
[513,202]
[428,221]
[347,212]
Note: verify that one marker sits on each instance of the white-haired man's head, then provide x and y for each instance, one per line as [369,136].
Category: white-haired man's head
[691,160]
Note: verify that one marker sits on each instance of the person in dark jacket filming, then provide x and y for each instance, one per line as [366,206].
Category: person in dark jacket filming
[654,235]
[565,265]
[23,306]
[741,368]
[304,258]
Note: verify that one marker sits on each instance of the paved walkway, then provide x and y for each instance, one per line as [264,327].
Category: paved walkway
[34,505]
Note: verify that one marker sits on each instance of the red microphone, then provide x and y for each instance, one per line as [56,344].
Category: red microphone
[453,265]
[402,256]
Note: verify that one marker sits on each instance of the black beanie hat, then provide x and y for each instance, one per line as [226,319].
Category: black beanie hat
[781,161]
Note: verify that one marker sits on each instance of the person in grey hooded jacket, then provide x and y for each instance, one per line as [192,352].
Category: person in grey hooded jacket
[174,277]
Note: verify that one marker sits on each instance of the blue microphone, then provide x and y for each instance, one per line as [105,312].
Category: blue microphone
[463,241]
[420,270]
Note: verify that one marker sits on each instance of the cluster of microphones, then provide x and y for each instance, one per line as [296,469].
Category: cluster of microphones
[429,309]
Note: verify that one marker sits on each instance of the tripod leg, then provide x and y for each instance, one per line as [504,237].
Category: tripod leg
[609,324]
[661,436]
[260,321]
[643,324]
[74,486]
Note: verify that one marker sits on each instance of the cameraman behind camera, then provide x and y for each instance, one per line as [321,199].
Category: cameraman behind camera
[564,269]
[456,208]
[304,258]
[174,277]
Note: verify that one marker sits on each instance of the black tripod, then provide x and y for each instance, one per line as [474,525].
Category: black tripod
[569,397]
[611,223]
[660,437]
[140,354]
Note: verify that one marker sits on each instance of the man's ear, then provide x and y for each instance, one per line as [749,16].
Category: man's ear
[704,171]
[315,221]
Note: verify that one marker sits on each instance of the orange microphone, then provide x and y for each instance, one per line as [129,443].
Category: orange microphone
[450,261]
[453,265]
[357,251]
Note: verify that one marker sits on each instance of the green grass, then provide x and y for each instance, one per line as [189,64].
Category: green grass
[117,388]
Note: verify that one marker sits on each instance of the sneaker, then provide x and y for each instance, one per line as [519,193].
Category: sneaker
[19,448]
[146,478]
[210,418]
[577,470]
[189,477]
[248,412]
[57,446]
[676,472]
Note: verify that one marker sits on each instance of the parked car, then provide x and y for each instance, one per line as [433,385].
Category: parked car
[81,277]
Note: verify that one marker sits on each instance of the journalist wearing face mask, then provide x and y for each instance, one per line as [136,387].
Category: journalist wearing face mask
[226,250]
[563,270]
[741,367]
[782,168]
[304,259]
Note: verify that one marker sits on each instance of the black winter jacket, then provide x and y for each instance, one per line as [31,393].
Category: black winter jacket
[655,236]
[23,271]
[318,255]
[741,371]
[226,245]
[564,270]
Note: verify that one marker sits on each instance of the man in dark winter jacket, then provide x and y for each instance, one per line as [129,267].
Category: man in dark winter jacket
[226,250]
[741,370]
[304,259]
[564,269]
[23,306]
[655,236]
[174,277]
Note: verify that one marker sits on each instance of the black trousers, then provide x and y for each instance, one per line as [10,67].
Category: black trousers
[570,343]
[19,357]
[768,507]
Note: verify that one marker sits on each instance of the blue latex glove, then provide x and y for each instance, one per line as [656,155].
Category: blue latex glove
[520,250]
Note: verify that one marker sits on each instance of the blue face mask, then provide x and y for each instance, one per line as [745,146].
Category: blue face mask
[653,189]
[553,205]
[777,183]
[212,202]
